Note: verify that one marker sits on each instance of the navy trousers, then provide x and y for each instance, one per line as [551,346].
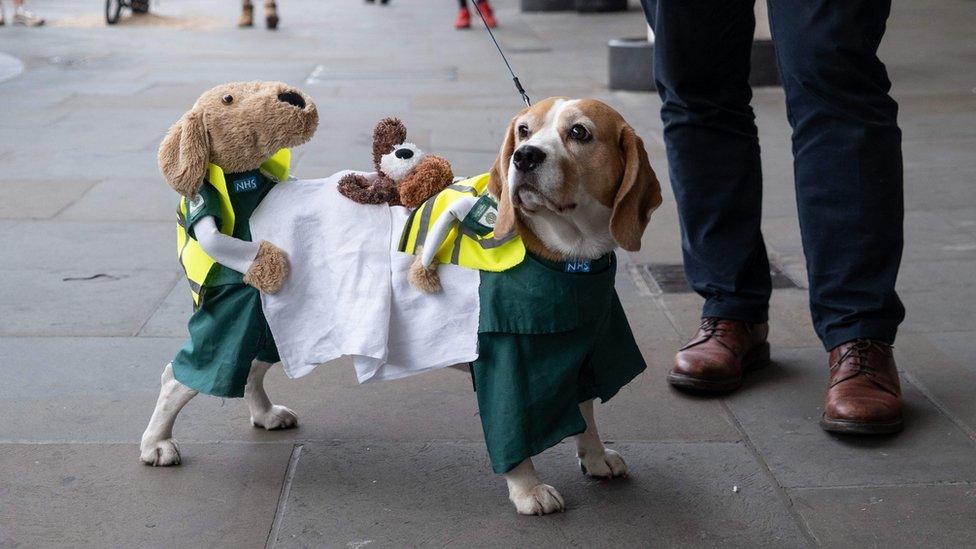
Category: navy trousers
[846,150]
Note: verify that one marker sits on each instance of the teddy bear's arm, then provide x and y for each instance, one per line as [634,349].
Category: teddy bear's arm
[367,190]
[457,211]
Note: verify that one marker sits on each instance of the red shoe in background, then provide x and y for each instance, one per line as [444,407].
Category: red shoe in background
[463,20]
[486,12]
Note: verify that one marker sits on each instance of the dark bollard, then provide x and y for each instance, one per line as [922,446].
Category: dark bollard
[631,64]
[547,5]
[595,6]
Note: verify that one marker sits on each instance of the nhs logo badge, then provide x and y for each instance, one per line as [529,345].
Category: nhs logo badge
[246,185]
[578,266]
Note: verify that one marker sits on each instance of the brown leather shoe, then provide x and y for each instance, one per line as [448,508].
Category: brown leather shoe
[714,360]
[864,395]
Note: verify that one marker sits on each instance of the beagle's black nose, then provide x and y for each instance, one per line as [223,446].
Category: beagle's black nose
[527,158]
[292,98]
[403,154]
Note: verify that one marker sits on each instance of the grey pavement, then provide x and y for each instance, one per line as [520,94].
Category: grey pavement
[93,305]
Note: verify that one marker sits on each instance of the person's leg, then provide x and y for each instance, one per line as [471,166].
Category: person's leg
[848,164]
[463,20]
[701,68]
[848,167]
[24,16]
[247,14]
[271,19]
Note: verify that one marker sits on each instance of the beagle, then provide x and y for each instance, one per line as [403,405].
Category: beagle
[573,180]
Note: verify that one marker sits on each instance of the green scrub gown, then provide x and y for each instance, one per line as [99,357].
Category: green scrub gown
[228,330]
[551,335]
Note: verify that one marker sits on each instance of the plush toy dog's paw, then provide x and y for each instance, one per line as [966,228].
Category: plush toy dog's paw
[423,278]
[269,269]
[358,188]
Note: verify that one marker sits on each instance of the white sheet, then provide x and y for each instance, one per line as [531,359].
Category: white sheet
[348,293]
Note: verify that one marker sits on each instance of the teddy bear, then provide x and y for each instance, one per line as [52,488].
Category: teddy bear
[224,156]
[408,176]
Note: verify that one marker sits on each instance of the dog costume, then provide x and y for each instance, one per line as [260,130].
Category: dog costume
[550,334]
[228,329]
[348,293]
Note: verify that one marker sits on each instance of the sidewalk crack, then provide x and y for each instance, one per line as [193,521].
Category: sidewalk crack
[283,497]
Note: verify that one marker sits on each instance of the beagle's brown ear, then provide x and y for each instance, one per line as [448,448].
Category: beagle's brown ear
[184,154]
[637,197]
[498,184]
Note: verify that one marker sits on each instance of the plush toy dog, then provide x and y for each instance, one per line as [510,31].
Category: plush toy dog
[223,156]
[408,176]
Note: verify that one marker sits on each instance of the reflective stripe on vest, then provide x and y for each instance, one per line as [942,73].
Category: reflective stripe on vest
[462,246]
[196,263]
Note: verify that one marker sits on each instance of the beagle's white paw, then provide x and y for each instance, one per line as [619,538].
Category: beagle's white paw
[162,453]
[277,417]
[608,465]
[539,500]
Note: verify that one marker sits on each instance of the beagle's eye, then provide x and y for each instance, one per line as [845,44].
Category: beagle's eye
[579,133]
[227,99]
[523,131]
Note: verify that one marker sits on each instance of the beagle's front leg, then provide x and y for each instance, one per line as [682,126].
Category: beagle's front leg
[596,460]
[529,494]
[158,447]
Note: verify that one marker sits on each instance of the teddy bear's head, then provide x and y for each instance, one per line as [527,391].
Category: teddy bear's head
[236,126]
[417,176]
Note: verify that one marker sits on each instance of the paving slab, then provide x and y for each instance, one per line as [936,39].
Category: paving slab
[170,318]
[40,199]
[96,247]
[94,495]
[943,366]
[779,410]
[900,516]
[940,309]
[80,302]
[445,494]
[130,199]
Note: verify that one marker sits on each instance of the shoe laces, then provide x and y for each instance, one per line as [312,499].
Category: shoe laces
[713,327]
[857,354]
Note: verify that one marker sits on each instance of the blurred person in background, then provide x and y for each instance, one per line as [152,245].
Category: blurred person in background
[463,20]
[270,14]
[22,15]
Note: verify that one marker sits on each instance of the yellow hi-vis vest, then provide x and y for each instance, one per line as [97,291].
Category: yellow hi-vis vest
[462,246]
[196,263]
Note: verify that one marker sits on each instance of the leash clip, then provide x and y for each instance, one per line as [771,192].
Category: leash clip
[521,90]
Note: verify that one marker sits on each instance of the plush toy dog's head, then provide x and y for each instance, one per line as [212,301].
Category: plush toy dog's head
[236,126]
